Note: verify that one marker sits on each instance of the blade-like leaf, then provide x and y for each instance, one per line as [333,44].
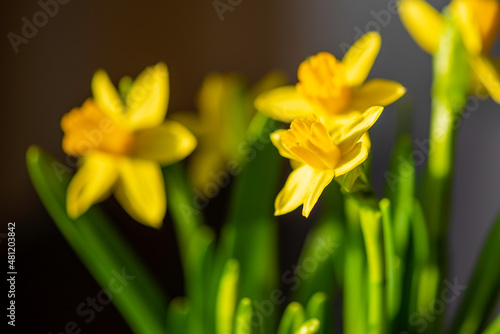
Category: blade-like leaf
[244,317]
[182,205]
[226,298]
[292,319]
[199,264]
[178,316]
[400,191]
[324,248]
[251,232]
[309,327]
[319,308]
[494,327]
[392,262]
[483,289]
[99,246]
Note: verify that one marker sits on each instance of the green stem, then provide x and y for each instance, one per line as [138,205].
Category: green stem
[449,95]
[354,283]
[371,227]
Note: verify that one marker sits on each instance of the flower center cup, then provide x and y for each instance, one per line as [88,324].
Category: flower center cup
[309,140]
[88,128]
[323,81]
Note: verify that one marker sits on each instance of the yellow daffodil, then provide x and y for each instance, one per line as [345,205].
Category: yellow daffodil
[478,21]
[331,88]
[319,155]
[225,111]
[121,144]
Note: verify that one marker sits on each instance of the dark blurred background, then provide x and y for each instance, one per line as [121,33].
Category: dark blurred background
[51,74]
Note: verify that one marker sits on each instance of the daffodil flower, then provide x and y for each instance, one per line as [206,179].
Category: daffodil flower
[478,21]
[225,111]
[331,88]
[121,145]
[319,156]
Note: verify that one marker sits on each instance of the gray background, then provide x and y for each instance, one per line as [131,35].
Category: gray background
[51,74]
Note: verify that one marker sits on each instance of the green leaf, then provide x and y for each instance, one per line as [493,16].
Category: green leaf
[392,262]
[244,317]
[323,248]
[400,191]
[309,327]
[178,316]
[424,270]
[226,298]
[99,246]
[250,234]
[181,206]
[292,319]
[199,264]
[319,308]
[483,289]
[494,327]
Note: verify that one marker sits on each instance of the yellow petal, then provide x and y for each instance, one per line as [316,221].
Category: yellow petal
[276,140]
[166,144]
[318,184]
[335,121]
[141,191]
[106,96]
[91,184]
[376,92]
[351,160]
[423,22]
[190,120]
[365,139]
[488,73]
[487,12]
[359,60]
[347,136]
[148,98]
[295,190]
[468,25]
[283,104]
[214,95]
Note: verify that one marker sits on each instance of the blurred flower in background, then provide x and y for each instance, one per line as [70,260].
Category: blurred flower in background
[225,111]
[478,22]
[122,143]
